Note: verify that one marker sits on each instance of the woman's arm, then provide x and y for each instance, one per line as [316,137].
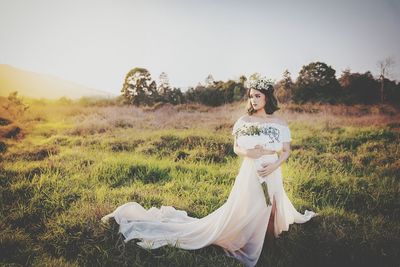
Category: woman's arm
[254,153]
[283,156]
[239,150]
[285,153]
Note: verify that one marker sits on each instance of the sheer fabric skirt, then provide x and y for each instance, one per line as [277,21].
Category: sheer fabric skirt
[238,226]
[285,213]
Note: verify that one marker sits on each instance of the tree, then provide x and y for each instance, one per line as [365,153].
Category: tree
[139,88]
[238,92]
[13,106]
[384,67]
[209,81]
[242,79]
[392,92]
[359,88]
[284,88]
[317,83]
[163,84]
[176,96]
[231,89]
[190,94]
[210,96]
[164,89]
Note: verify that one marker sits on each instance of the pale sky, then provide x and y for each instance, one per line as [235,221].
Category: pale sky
[96,42]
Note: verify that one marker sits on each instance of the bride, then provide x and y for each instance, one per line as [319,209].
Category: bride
[239,226]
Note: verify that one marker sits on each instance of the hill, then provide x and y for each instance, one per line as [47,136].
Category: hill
[37,85]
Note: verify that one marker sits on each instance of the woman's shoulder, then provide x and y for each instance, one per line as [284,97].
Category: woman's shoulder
[244,118]
[238,123]
[281,121]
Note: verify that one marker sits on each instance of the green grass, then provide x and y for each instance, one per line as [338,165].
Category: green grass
[57,182]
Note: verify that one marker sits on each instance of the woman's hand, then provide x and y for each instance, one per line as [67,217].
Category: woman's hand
[267,169]
[257,152]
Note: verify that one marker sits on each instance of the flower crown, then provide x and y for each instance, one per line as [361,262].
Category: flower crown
[259,84]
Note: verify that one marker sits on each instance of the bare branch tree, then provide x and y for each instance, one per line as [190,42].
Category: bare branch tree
[385,67]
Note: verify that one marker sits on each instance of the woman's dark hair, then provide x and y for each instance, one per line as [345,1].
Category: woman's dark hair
[271,104]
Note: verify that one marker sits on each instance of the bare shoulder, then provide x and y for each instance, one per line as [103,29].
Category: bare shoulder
[240,121]
[280,120]
[244,118]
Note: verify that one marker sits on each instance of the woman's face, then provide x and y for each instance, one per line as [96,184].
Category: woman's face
[257,99]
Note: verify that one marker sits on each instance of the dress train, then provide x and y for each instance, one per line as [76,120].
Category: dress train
[238,226]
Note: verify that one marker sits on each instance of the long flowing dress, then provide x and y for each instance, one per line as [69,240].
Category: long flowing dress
[239,225]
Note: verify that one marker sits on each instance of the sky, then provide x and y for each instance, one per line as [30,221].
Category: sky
[96,42]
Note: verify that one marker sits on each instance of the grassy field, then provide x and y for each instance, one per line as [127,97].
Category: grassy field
[69,164]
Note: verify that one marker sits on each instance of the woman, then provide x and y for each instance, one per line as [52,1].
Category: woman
[259,136]
[240,224]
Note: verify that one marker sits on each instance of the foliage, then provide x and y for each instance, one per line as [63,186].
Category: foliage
[284,88]
[139,88]
[13,106]
[359,88]
[365,89]
[317,83]
[217,93]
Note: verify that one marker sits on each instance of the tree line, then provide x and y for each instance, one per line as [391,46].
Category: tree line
[316,83]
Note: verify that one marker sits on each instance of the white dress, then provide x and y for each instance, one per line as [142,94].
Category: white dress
[239,225]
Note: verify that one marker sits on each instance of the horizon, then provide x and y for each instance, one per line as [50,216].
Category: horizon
[72,40]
